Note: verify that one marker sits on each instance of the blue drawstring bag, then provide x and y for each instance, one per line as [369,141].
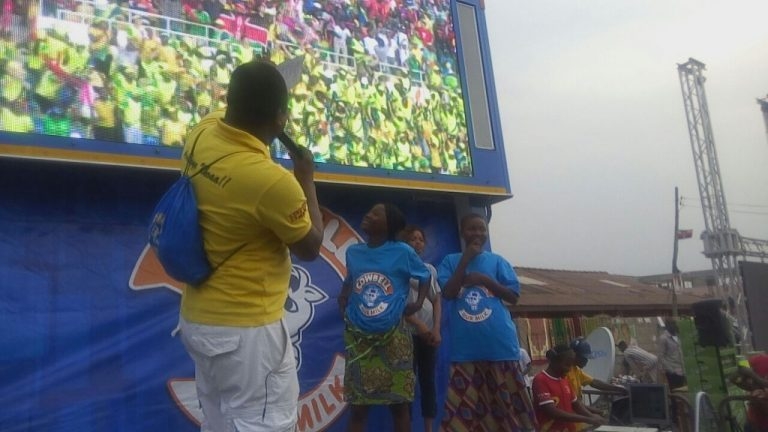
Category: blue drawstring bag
[176,237]
[175,233]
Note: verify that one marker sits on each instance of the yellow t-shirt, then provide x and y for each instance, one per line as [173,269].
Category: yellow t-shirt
[12,122]
[322,146]
[204,99]
[167,91]
[99,39]
[577,378]
[245,200]
[49,85]
[105,113]
[131,112]
[11,88]
[172,132]
[149,49]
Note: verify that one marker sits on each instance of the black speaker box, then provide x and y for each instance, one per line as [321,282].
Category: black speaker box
[711,324]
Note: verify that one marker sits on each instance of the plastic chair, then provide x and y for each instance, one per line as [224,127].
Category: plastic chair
[725,419]
[705,417]
[683,413]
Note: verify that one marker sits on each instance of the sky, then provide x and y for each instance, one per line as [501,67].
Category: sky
[595,132]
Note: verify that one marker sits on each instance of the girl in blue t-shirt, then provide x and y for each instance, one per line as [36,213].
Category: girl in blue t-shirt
[486,389]
[425,326]
[373,300]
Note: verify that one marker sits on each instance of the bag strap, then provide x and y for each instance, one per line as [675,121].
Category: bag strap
[192,153]
[216,160]
[231,254]
[186,171]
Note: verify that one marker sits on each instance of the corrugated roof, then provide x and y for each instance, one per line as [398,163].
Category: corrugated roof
[546,292]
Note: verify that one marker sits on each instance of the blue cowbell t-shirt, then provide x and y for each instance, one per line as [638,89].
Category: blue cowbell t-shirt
[380,280]
[481,327]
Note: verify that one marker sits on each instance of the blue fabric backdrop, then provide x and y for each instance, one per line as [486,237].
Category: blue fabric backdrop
[86,321]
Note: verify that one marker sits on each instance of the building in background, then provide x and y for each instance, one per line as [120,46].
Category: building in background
[697,282]
[559,305]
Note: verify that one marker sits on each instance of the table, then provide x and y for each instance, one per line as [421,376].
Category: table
[625,429]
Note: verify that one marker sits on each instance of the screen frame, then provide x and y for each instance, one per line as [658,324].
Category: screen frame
[489,167]
[647,420]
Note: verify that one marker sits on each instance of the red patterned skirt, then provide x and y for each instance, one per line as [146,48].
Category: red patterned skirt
[487,396]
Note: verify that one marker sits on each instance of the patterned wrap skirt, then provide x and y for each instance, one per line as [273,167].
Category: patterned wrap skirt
[379,367]
[487,396]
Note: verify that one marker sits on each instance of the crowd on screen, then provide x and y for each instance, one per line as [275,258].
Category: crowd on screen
[379,86]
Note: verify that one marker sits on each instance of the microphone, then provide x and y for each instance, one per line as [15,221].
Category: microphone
[290,144]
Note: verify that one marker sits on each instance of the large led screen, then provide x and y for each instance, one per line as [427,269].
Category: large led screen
[379,88]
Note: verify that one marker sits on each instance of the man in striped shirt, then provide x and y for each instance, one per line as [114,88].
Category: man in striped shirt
[671,355]
[640,363]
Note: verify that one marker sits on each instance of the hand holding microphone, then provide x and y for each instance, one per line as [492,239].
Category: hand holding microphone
[304,171]
[289,143]
[303,162]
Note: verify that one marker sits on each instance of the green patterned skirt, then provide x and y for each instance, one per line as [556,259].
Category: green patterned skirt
[379,368]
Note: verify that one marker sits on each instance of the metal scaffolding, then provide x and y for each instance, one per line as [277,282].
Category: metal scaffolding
[722,244]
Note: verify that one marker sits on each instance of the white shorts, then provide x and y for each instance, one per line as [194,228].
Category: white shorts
[245,376]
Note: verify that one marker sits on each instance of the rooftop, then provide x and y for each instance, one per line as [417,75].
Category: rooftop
[551,293]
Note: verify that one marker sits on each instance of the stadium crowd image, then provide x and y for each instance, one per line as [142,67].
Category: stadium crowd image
[379,87]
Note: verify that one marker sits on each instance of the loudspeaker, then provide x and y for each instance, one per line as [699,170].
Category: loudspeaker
[711,324]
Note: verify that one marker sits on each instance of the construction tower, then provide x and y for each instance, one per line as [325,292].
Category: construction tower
[723,245]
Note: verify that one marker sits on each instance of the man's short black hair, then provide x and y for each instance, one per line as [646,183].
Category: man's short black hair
[557,352]
[257,94]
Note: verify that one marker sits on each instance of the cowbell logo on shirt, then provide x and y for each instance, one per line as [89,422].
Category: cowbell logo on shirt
[472,307]
[374,287]
[320,406]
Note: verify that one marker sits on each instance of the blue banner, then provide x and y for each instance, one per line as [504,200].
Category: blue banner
[86,312]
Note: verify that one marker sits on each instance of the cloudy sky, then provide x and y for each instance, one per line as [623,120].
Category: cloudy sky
[595,130]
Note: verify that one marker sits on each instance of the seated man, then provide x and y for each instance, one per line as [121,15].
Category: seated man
[577,378]
[557,410]
[755,380]
[640,363]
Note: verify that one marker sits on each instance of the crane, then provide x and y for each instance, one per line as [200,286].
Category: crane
[723,245]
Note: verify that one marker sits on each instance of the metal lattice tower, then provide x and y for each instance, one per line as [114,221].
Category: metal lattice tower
[722,244]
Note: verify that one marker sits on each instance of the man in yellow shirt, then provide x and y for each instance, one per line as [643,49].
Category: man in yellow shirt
[172,128]
[105,123]
[14,119]
[252,213]
[577,378]
[131,112]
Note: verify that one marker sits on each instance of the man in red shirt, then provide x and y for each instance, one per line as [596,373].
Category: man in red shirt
[557,408]
[755,380]
[424,33]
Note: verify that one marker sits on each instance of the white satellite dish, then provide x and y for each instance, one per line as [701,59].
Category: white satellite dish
[604,351]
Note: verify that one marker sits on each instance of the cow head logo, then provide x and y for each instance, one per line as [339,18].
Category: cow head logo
[370,295]
[473,299]
[300,306]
